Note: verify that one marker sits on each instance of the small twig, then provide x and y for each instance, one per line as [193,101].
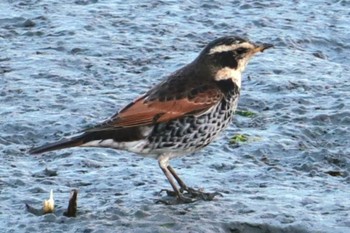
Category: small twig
[72,206]
[31,209]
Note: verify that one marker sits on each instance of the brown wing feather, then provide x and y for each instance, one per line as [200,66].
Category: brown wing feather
[144,112]
[186,91]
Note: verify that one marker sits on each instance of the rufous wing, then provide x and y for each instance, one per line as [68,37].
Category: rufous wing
[143,111]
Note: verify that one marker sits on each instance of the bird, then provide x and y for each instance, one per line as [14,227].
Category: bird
[180,115]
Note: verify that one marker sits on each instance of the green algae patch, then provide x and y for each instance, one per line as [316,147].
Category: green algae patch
[238,138]
[245,113]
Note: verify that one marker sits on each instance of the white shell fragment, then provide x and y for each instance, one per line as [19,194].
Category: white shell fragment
[49,205]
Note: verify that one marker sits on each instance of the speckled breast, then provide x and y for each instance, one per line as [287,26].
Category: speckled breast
[190,133]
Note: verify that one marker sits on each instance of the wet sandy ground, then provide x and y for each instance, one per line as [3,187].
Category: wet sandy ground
[67,65]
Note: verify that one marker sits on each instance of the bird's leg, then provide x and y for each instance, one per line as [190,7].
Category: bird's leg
[198,194]
[183,186]
[163,162]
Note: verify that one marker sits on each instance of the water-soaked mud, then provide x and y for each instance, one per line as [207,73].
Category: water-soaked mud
[66,65]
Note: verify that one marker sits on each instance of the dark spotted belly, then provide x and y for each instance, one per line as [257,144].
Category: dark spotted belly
[191,133]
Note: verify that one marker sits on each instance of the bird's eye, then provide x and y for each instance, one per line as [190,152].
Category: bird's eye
[241,51]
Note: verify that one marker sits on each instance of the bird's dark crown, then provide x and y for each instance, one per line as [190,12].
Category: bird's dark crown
[226,51]
[226,40]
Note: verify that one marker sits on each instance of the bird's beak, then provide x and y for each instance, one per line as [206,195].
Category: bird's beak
[262,47]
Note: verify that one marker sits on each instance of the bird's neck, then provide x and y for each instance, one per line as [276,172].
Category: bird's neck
[228,88]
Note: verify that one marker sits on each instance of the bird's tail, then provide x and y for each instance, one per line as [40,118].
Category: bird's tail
[64,143]
[117,135]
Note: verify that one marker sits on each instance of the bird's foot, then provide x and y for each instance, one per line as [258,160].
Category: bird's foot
[180,199]
[170,193]
[200,195]
[187,195]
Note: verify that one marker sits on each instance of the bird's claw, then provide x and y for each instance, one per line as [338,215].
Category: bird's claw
[188,195]
[180,199]
[199,194]
[168,192]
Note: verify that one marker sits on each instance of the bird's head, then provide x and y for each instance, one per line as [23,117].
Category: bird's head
[227,57]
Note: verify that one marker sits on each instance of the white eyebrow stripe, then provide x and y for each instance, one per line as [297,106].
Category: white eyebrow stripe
[226,48]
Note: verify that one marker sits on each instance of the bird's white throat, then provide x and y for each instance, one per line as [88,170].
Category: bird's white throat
[229,73]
